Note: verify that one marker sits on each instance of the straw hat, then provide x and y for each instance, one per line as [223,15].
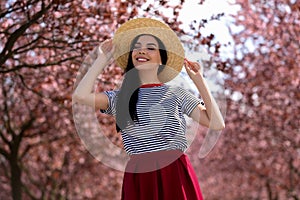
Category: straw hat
[132,28]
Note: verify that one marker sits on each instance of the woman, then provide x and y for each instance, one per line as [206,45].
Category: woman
[150,114]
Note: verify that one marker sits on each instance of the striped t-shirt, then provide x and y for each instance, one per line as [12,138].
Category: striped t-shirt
[161,123]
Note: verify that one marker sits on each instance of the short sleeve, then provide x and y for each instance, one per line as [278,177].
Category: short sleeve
[189,101]
[111,110]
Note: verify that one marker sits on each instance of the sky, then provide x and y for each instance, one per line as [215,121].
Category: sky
[192,10]
[220,28]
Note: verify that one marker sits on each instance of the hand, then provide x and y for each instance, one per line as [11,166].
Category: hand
[107,48]
[192,68]
[104,51]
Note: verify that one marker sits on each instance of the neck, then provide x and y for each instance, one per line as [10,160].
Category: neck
[148,77]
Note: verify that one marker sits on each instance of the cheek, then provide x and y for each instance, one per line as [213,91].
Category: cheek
[134,62]
[133,54]
[158,58]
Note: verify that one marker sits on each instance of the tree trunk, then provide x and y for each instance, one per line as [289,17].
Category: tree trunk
[16,184]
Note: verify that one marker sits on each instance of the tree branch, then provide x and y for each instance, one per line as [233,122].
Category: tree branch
[5,140]
[7,50]
[4,153]
[6,117]
[23,49]
[11,9]
[35,66]
[34,182]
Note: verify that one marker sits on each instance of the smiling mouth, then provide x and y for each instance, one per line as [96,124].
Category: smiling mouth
[142,59]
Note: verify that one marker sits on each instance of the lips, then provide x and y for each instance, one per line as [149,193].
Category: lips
[142,59]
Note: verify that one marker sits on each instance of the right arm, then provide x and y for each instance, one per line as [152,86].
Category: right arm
[83,93]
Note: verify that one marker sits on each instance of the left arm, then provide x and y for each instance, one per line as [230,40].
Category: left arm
[210,115]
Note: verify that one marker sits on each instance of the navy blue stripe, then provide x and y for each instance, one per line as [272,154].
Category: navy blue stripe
[162,124]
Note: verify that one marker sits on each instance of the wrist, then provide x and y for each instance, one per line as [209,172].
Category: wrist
[198,76]
[99,64]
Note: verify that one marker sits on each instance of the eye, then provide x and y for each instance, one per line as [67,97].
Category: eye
[151,48]
[136,47]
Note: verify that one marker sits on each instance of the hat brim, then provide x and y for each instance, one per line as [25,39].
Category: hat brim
[131,29]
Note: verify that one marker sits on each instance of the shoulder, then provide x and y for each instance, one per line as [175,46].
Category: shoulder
[179,91]
[111,93]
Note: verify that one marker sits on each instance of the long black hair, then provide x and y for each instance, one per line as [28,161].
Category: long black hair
[128,94]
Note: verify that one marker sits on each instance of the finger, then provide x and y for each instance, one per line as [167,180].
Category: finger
[195,68]
[188,69]
[94,53]
[192,65]
[196,65]
[109,50]
[107,46]
[102,47]
[187,65]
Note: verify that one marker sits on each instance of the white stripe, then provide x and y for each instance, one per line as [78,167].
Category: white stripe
[161,119]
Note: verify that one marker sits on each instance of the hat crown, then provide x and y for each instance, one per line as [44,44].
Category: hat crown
[141,23]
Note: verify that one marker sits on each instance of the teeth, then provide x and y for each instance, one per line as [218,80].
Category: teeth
[142,59]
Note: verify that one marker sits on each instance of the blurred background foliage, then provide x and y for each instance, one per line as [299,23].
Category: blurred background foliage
[43,47]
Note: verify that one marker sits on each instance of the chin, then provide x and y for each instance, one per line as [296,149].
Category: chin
[146,66]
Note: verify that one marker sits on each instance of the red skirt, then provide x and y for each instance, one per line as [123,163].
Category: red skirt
[163,175]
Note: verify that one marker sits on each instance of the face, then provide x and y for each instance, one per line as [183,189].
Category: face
[145,54]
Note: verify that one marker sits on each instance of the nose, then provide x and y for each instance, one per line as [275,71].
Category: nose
[142,51]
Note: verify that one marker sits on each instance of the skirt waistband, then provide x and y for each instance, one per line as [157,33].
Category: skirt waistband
[151,161]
